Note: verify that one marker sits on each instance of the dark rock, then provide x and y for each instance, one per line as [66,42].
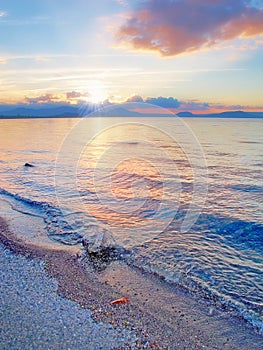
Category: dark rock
[100,247]
[103,258]
[29,165]
[98,239]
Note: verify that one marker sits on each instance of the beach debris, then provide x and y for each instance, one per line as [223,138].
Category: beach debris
[29,165]
[123,300]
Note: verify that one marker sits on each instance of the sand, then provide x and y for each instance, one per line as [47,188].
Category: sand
[55,299]
[34,316]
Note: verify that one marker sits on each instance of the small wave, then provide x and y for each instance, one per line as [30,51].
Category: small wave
[182,276]
[220,259]
[129,142]
[187,271]
[40,205]
[250,142]
[52,216]
[247,188]
[67,229]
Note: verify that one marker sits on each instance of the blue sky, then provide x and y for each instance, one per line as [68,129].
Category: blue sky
[206,54]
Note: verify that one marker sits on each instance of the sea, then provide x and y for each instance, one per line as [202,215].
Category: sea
[180,198]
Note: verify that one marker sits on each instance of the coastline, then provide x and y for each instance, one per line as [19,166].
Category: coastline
[159,315]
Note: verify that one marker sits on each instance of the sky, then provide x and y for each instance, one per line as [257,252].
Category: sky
[195,55]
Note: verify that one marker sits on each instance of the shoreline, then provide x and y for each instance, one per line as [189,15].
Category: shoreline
[161,315]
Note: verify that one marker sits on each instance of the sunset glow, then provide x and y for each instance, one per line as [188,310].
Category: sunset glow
[208,59]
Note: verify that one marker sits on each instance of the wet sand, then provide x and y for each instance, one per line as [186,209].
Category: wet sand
[158,316]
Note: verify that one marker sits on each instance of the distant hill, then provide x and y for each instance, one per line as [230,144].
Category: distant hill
[185,114]
[62,111]
[119,112]
[66,110]
[229,114]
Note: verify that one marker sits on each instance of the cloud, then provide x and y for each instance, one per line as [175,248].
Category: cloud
[85,107]
[53,98]
[165,102]
[122,2]
[3,60]
[173,103]
[170,102]
[135,98]
[3,13]
[173,27]
[48,98]
[74,94]
[194,105]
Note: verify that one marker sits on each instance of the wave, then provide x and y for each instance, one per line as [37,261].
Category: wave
[55,223]
[210,234]
[183,277]
[247,188]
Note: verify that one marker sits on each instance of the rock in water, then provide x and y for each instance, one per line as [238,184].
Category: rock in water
[29,165]
[100,247]
[98,240]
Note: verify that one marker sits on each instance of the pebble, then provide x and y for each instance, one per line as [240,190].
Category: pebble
[34,316]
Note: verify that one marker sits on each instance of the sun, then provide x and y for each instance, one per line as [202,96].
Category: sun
[97,92]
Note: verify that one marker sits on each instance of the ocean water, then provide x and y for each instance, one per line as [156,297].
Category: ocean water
[183,197]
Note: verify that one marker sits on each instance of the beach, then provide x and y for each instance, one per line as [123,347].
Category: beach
[75,311]
[131,175]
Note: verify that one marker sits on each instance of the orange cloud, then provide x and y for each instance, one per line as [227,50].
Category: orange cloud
[174,27]
[47,98]
[73,95]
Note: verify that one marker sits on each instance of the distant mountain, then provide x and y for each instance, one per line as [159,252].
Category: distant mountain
[63,111]
[229,114]
[119,112]
[185,114]
[60,110]
[234,114]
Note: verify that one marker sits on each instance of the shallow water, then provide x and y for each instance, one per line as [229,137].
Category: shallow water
[138,178]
